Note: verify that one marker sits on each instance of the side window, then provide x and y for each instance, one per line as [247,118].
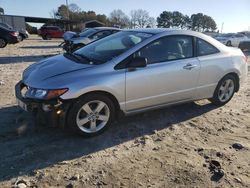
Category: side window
[204,48]
[167,49]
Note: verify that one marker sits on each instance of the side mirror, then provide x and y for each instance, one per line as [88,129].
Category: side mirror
[137,62]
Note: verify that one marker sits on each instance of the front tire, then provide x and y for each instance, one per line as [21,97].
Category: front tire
[91,115]
[224,91]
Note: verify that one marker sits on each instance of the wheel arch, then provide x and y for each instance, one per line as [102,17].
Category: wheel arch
[236,76]
[109,95]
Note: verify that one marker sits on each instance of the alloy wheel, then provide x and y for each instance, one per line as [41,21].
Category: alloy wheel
[226,90]
[93,116]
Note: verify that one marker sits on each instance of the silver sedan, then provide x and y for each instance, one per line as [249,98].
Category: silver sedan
[131,71]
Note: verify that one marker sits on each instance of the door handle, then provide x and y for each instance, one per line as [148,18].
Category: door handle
[189,66]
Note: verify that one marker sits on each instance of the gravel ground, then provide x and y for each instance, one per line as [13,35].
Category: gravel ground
[190,145]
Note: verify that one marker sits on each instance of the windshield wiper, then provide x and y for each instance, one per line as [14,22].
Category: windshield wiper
[82,56]
[75,57]
[71,56]
[90,60]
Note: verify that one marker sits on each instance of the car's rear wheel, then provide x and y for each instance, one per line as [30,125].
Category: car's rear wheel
[229,43]
[91,114]
[224,91]
[3,43]
[21,37]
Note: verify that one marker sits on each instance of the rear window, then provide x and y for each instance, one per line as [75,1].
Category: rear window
[205,48]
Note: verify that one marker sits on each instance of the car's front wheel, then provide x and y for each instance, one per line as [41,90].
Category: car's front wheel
[91,114]
[224,91]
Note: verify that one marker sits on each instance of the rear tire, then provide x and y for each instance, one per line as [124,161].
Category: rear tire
[3,43]
[224,91]
[87,119]
[21,37]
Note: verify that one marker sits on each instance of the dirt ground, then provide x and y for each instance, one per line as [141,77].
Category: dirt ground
[190,145]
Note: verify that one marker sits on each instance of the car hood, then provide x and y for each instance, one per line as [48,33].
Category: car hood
[50,68]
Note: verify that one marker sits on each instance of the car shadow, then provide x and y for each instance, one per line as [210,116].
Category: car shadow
[40,47]
[23,59]
[26,147]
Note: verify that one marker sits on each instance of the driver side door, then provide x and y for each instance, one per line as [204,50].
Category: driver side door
[171,74]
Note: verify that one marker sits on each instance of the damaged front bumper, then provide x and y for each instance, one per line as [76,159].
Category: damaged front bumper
[51,112]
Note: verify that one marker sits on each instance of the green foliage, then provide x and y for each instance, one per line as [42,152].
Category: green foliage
[1,10]
[165,19]
[197,22]
[202,22]
[138,18]
[73,12]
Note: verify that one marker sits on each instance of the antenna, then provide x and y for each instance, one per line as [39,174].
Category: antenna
[222,25]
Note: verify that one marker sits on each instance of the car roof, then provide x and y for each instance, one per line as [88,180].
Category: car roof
[163,30]
[106,28]
[168,31]
[50,27]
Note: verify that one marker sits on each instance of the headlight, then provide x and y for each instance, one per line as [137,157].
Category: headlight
[55,93]
[40,93]
[44,93]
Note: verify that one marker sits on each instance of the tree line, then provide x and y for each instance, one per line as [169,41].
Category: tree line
[1,11]
[139,18]
[117,18]
[196,22]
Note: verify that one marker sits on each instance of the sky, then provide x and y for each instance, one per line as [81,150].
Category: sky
[235,14]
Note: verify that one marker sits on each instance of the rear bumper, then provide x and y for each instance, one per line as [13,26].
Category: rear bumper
[50,111]
[13,40]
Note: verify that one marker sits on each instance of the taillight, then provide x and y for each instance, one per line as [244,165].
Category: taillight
[14,34]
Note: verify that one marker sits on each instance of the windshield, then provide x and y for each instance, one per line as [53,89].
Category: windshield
[110,47]
[87,32]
